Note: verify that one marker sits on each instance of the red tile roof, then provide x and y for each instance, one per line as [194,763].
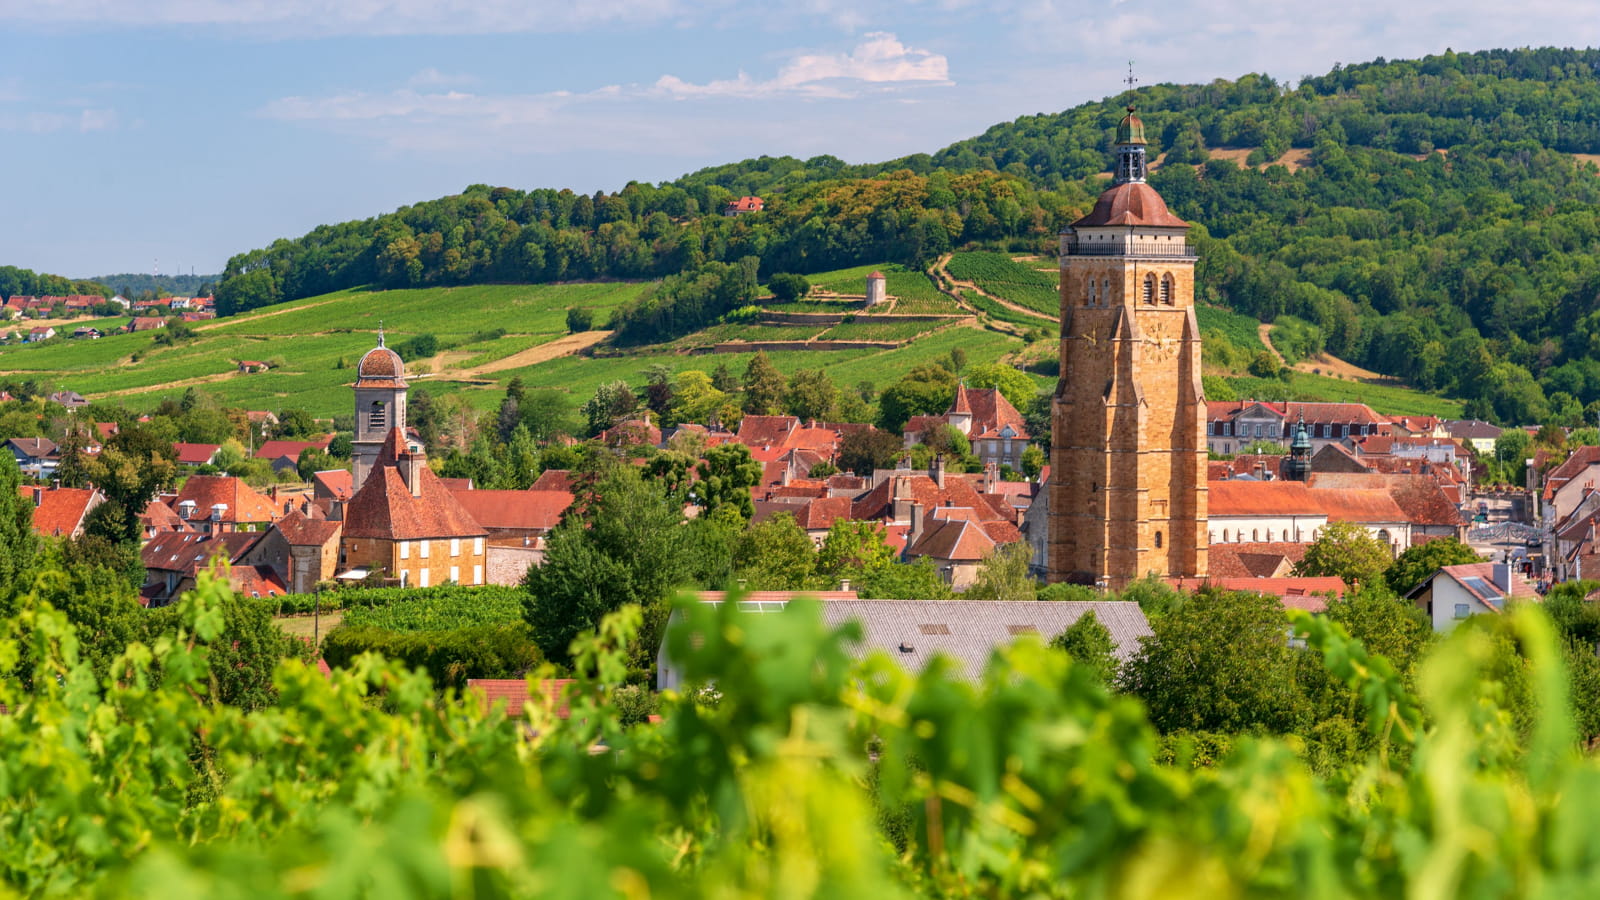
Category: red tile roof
[1314,413]
[764,431]
[518,510]
[820,513]
[302,531]
[953,539]
[512,694]
[553,480]
[1260,498]
[1308,594]
[245,503]
[1131,203]
[385,509]
[337,484]
[195,454]
[60,511]
[291,449]
[1485,570]
[1259,559]
[187,552]
[1573,466]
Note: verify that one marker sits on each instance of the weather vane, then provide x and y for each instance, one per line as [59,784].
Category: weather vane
[1131,80]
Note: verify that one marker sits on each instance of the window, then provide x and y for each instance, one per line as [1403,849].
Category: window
[424,546]
[1089,295]
[405,549]
[1255,534]
[455,574]
[455,546]
[477,574]
[1166,289]
[1463,610]
[1225,535]
[1158,540]
[1150,289]
[424,576]
[378,415]
[477,546]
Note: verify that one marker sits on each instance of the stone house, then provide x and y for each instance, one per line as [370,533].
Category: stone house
[404,524]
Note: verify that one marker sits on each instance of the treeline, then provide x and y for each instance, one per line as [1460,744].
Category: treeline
[140,285]
[28,283]
[504,235]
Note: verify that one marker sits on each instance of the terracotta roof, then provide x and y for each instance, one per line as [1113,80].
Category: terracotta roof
[1573,466]
[1420,498]
[195,454]
[256,581]
[878,503]
[762,431]
[1469,575]
[302,531]
[60,511]
[380,367]
[1314,413]
[920,424]
[338,484]
[820,513]
[520,510]
[1133,203]
[961,403]
[291,449]
[553,480]
[633,431]
[160,517]
[991,413]
[245,503]
[1365,506]
[34,447]
[1260,498]
[953,539]
[512,694]
[384,507]
[1308,594]
[187,552]
[1254,559]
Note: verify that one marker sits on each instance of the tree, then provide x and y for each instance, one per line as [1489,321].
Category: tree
[1003,575]
[1421,560]
[1033,460]
[579,319]
[1219,662]
[1089,644]
[611,403]
[1346,550]
[809,395]
[1385,624]
[852,550]
[727,474]
[924,391]
[917,580]
[17,541]
[1013,384]
[294,422]
[764,386]
[1511,448]
[787,287]
[619,545]
[867,450]
[775,555]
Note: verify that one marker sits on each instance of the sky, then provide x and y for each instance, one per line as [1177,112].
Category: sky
[168,135]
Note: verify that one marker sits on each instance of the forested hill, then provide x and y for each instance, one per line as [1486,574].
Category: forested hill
[1429,217]
[28,283]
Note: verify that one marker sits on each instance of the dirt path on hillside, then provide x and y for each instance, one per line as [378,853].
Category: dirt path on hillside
[956,287]
[562,346]
[1323,363]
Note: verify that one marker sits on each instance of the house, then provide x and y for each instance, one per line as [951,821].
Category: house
[221,503]
[196,455]
[249,366]
[332,484]
[632,433]
[957,546]
[988,420]
[511,696]
[146,323]
[300,550]
[59,511]
[172,561]
[86,333]
[276,451]
[514,513]
[35,335]
[36,457]
[1567,484]
[913,632]
[744,205]
[403,522]
[1478,435]
[1232,425]
[159,518]
[1455,592]
[69,399]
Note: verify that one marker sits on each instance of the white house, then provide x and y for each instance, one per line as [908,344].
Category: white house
[1455,592]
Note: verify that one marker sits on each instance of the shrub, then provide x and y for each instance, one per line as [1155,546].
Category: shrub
[579,319]
[450,657]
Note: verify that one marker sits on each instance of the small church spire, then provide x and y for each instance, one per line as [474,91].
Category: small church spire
[1130,149]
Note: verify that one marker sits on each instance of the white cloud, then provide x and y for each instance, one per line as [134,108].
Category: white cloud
[880,59]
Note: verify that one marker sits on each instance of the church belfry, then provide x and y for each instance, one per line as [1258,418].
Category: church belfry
[380,406]
[1128,456]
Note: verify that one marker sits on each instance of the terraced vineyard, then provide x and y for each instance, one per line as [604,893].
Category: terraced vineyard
[914,290]
[878,330]
[1004,277]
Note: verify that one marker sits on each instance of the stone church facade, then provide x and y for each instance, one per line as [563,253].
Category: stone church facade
[1127,491]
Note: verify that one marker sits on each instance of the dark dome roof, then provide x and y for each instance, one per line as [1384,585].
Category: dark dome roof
[1130,130]
[1132,203]
[381,364]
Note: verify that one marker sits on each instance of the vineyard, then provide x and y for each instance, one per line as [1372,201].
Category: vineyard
[806,773]
[438,608]
[1000,275]
[878,330]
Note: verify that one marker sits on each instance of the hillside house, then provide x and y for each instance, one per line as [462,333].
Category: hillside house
[145,323]
[744,205]
[59,511]
[213,504]
[1455,592]
[251,366]
[69,399]
[990,423]
[1232,425]
[36,457]
[85,333]
[35,335]
[196,455]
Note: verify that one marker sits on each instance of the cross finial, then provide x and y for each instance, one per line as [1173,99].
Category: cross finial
[1131,79]
[380,332]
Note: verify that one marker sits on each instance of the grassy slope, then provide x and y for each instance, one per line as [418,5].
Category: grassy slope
[314,336]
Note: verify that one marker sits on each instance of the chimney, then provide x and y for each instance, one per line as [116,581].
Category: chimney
[915,533]
[844,584]
[901,499]
[336,511]
[937,471]
[411,472]
[991,477]
[1502,576]
[38,496]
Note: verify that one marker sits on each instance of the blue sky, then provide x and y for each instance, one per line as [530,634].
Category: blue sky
[186,131]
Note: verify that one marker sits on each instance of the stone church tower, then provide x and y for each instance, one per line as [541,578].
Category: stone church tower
[1128,458]
[380,406]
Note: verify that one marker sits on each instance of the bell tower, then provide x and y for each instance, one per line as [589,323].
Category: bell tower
[1128,456]
[380,406]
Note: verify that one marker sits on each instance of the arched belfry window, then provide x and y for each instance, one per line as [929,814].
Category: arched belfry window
[1150,288]
[378,416]
[1166,289]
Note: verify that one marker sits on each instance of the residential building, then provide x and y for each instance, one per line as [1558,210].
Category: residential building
[986,418]
[36,457]
[1233,425]
[214,504]
[1454,593]
[59,511]
[744,205]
